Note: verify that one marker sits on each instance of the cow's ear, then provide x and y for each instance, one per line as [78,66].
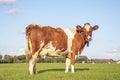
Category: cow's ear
[95,27]
[79,29]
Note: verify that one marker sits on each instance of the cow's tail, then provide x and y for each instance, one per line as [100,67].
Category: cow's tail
[27,51]
[28,32]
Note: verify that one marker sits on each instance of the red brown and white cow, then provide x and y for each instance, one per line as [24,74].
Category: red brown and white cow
[45,40]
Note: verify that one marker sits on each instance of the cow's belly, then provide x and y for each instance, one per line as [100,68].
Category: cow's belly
[50,51]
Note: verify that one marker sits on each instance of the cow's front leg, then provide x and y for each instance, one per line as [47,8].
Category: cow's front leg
[32,66]
[72,62]
[67,64]
[72,68]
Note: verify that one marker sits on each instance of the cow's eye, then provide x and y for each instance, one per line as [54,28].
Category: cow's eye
[79,31]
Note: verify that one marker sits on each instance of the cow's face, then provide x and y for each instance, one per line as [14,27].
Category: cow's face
[86,30]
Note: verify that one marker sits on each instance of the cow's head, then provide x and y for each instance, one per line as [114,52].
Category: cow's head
[86,30]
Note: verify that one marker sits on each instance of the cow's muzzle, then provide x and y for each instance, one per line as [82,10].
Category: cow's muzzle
[88,39]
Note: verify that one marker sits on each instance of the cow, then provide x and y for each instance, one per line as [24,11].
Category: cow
[49,41]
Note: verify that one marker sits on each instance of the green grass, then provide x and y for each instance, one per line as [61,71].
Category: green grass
[55,71]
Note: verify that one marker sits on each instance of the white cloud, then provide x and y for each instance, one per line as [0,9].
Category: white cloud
[6,2]
[113,51]
[21,51]
[113,54]
[14,11]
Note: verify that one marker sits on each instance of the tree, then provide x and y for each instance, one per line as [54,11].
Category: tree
[21,58]
[8,59]
[80,59]
[15,59]
[0,58]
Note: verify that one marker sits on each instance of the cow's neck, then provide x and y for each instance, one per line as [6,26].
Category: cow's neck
[80,42]
[80,38]
[86,42]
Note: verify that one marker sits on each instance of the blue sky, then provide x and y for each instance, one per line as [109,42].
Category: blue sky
[15,15]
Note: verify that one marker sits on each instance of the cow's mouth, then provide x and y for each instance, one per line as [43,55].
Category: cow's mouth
[88,39]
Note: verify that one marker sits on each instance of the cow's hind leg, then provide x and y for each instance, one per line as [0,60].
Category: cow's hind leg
[32,63]
[32,66]
[33,58]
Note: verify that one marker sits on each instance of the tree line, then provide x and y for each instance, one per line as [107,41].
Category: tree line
[12,59]
[22,59]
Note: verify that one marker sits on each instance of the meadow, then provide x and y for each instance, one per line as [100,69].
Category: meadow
[55,71]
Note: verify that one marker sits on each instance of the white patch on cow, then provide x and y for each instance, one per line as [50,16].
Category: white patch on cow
[72,69]
[35,55]
[30,44]
[32,62]
[67,64]
[76,57]
[70,33]
[50,46]
[49,50]
[40,25]
[42,44]
[27,52]
[32,66]
[87,27]
[88,37]
[43,51]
